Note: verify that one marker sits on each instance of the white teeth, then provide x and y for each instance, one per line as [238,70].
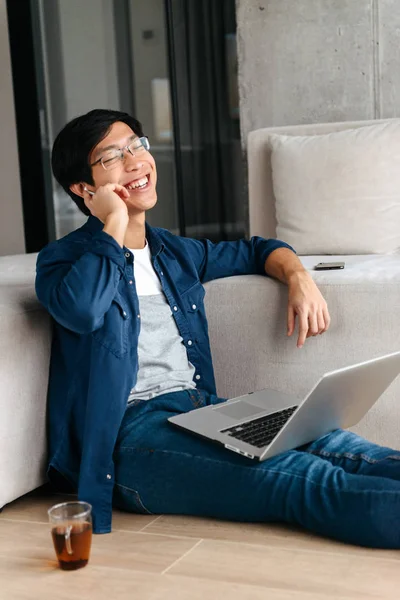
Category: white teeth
[139,183]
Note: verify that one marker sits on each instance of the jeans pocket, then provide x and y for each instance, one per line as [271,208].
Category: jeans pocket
[197,398]
[129,500]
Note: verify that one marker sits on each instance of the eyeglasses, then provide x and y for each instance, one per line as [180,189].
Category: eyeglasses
[111,158]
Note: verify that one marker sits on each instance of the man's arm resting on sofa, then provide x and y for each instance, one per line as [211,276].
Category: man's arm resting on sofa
[305,299]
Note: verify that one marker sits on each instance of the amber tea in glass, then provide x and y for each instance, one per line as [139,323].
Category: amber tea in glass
[71,530]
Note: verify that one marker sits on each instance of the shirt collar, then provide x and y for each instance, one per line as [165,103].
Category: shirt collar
[154,240]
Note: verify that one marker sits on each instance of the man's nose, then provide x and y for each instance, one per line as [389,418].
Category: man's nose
[132,162]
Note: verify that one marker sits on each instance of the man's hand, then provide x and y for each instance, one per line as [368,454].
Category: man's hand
[109,207]
[305,300]
[307,303]
[108,199]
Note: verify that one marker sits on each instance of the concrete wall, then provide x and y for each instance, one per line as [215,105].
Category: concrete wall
[314,61]
[12,239]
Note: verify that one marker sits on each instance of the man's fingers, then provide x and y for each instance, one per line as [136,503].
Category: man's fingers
[120,190]
[313,324]
[321,322]
[327,319]
[303,329]
[290,320]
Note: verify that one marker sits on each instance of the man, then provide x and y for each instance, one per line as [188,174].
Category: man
[131,348]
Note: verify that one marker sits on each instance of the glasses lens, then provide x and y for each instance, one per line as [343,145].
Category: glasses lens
[138,145]
[110,159]
[145,143]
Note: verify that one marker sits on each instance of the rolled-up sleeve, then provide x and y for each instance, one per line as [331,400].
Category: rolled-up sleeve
[226,259]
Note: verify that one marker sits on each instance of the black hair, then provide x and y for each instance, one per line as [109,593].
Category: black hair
[75,142]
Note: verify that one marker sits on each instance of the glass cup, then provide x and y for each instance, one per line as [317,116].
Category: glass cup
[71,530]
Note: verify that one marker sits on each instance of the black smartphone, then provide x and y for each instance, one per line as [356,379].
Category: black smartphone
[329,266]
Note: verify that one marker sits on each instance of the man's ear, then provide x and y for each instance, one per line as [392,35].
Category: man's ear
[77,188]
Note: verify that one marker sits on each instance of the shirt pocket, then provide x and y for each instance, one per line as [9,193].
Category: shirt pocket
[114,333]
[193,301]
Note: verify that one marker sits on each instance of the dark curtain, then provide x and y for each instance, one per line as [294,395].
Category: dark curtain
[209,168]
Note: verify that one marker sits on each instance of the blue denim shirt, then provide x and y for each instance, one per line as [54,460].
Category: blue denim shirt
[86,282]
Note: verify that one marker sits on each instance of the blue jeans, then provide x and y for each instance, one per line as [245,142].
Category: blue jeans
[340,486]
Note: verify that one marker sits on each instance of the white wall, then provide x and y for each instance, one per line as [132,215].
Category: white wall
[11,222]
[86,71]
[89,59]
[149,57]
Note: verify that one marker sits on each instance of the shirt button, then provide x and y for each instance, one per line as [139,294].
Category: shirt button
[194,306]
[190,342]
[161,273]
[108,476]
[175,308]
[124,313]
[197,376]
[127,255]
[138,316]
[131,282]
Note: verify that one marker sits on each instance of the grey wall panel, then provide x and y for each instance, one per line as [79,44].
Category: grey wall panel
[307,61]
[12,239]
[387,49]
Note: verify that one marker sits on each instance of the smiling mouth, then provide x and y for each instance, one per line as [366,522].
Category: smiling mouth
[138,184]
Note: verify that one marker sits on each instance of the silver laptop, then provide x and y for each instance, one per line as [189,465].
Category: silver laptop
[262,424]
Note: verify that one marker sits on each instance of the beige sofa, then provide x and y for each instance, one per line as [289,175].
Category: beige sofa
[364,301]
[247,324]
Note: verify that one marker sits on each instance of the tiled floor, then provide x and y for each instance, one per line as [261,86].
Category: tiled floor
[182,558]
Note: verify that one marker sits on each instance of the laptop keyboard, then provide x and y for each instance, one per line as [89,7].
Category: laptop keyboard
[260,432]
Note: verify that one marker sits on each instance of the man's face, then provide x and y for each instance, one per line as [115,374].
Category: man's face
[127,172]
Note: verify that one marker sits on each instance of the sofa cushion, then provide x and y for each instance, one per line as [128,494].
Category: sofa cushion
[339,193]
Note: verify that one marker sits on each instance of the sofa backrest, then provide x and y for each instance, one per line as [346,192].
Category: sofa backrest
[261,195]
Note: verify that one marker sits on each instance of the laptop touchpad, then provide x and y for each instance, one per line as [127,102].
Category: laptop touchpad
[239,410]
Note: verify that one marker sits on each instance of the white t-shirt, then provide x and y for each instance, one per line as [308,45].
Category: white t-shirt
[163,361]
